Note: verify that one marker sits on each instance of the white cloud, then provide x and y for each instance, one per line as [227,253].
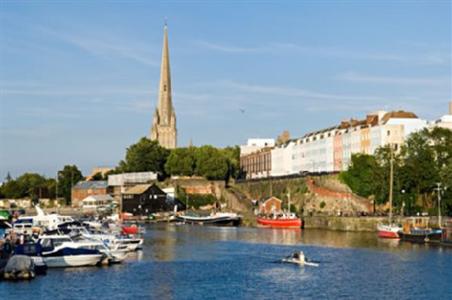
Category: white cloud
[105,46]
[12,88]
[424,58]
[430,81]
[292,92]
[225,48]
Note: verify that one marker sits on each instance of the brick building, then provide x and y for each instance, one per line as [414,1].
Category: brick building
[84,189]
[257,164]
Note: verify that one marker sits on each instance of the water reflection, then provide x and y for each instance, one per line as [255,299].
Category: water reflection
[193,262]
[167,237]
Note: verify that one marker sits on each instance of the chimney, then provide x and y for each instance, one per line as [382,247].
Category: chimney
[450,108]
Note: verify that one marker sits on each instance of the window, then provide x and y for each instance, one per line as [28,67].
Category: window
[164,87]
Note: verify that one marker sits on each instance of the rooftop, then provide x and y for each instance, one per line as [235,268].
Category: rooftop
[99,198]
[97,184]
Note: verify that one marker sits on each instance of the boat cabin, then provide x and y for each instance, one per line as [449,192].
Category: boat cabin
[415,223]
[23,225]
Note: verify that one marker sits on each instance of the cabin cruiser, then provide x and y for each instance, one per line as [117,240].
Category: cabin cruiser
[115,252]
[43,220]
[118,244]
[62,251]
[23,225]
[299,258]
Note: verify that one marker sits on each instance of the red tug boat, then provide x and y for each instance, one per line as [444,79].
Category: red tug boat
[271,215]
[282,221]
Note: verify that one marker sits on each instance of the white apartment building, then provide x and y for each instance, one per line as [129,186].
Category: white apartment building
[256,144]
[445,121]
[331,149]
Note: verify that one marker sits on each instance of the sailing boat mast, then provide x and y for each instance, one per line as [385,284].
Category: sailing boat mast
[288,200]
[391,181]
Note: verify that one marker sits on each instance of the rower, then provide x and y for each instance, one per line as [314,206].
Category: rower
[299,256]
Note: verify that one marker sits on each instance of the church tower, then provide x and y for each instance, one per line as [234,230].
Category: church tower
[164,123]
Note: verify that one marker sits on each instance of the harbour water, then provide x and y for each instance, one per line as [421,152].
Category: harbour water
[196,262]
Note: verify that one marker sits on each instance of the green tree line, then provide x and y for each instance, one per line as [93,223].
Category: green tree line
[206,161]
[145,155]
[35,186]
[424,160]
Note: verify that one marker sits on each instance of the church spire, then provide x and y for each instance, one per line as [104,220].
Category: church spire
[164,123]
[165,101]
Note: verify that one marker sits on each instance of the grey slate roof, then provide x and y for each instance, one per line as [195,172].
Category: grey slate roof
[85,185]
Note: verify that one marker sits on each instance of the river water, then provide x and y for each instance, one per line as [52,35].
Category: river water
[196,262]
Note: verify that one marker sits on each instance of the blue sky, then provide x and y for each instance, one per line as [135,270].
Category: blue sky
[78,79]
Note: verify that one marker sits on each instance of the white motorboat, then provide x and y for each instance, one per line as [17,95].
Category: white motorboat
[116,242]
[61,251]
[43,220]
[72,260]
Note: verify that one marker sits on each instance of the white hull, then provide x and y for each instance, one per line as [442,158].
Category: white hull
[132,244]
[72,260]
[119,255]
[299,262]
[388,231]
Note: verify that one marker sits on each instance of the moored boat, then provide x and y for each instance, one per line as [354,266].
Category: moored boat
[388,231]
[281,221]
[416,235]
[221,219]
[417,230]
[19,267]
[60,252]
[73,260]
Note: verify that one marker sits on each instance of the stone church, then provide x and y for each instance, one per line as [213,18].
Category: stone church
[164,123]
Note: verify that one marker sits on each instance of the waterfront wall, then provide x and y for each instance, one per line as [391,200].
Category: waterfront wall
[368,224]
[311,196]
[343,223]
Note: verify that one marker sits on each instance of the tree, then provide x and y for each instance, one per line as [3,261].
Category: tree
[181,161]
[211,163]
[232,155]
[97,176]
[441,143]
[31,185]
[420,165]
[446,178]
[67,178]
[360,176]
[145,156]
[383,156]
[11,190]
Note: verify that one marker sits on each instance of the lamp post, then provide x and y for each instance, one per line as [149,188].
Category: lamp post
[439,190]
[403,202]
